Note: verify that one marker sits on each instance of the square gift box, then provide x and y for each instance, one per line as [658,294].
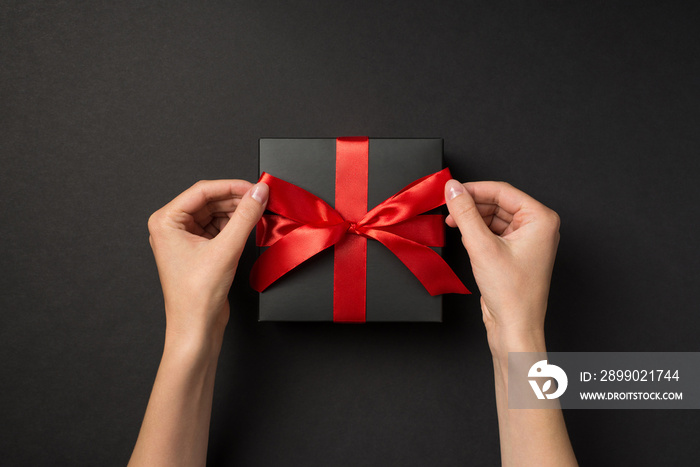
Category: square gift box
[393,292]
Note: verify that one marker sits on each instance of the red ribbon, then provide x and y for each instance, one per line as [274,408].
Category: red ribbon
[307,225]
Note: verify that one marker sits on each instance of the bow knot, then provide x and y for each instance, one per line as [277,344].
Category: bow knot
[307,225]
[354,228]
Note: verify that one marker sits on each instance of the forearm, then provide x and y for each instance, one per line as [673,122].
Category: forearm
[529,437]
[175,429]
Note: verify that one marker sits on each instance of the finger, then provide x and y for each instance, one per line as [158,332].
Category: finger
[224,205]
[494,210]
[487,211]
[219,223]
[195,198]
[197,229]
[243,219]
[211,229]
[466,216]
[496,224]
[220,208]
[504,195]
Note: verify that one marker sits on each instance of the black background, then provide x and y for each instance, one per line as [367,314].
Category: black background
[110,109]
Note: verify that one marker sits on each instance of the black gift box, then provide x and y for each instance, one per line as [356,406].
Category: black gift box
[393,292]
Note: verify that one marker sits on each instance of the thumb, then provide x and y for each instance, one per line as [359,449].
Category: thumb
[247,214]
[475,232]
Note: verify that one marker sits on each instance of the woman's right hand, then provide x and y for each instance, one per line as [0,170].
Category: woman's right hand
[511,240]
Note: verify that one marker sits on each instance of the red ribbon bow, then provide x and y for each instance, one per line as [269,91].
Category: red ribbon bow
[307,225]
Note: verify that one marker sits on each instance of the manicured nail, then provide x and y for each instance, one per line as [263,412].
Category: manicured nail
[260,193]
[453,189]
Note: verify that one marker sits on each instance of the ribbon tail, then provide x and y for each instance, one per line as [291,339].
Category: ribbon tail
[292,250]
[429,268]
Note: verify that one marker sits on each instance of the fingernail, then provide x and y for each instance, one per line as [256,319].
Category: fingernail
[260,192]
[453,189]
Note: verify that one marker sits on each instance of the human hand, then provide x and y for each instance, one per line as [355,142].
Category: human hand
[197,240]
[512,240]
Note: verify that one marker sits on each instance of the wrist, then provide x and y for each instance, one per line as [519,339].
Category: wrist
[503,340]
[193,347]
[194,339]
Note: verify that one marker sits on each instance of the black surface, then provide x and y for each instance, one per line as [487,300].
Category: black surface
[110,109]
[393,292]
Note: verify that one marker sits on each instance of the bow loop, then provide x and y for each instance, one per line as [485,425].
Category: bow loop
[306,208]
[425,194]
